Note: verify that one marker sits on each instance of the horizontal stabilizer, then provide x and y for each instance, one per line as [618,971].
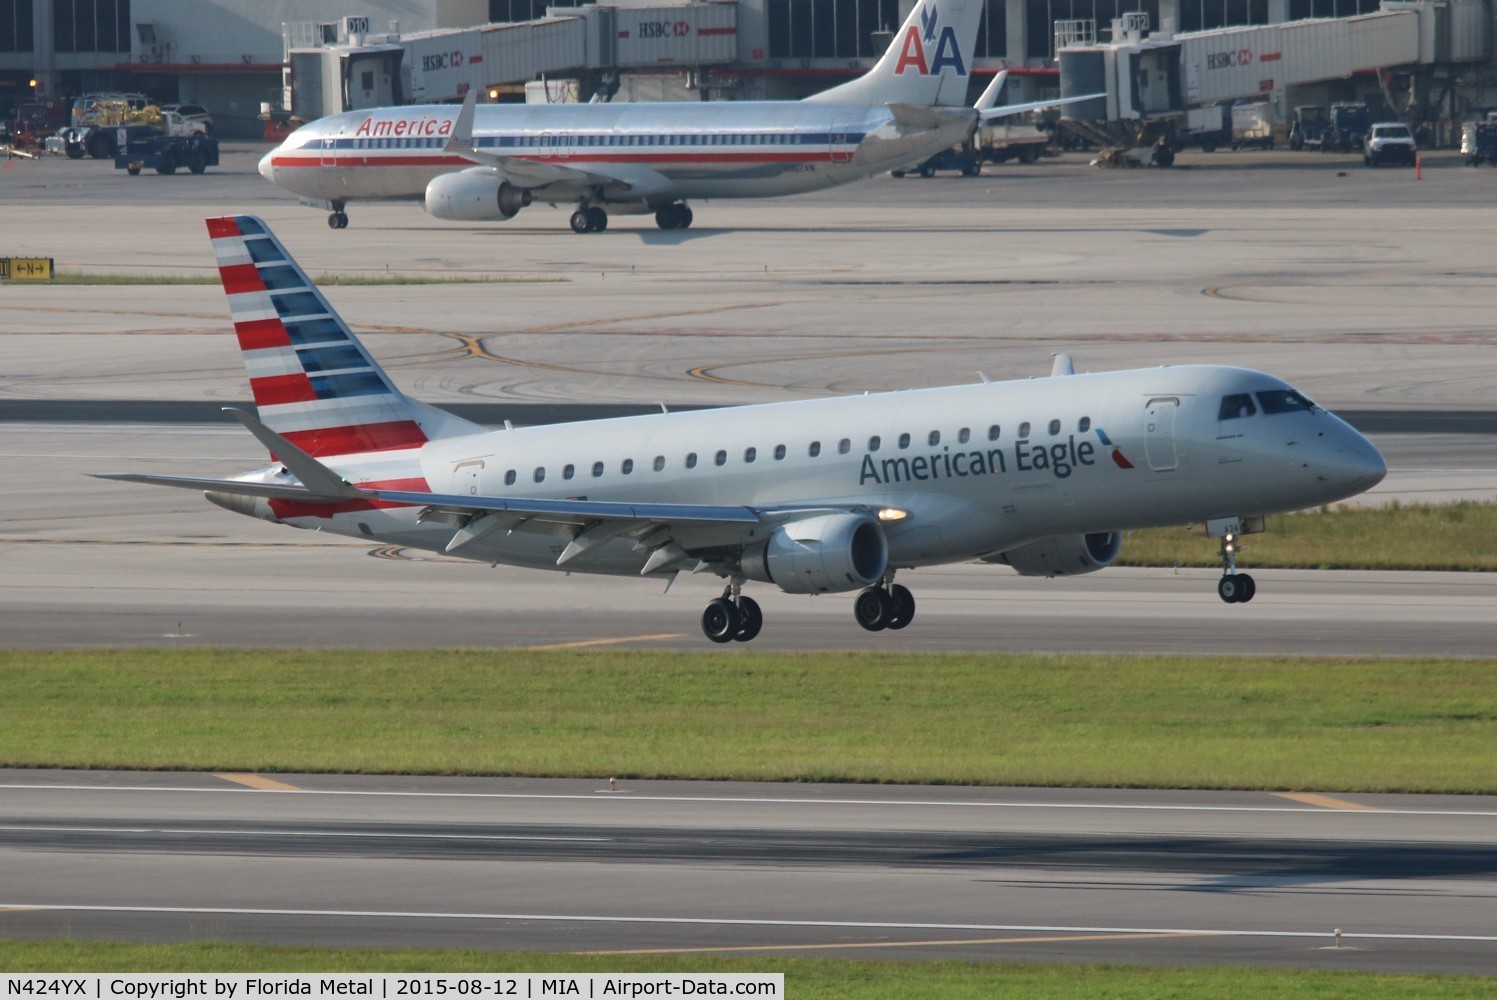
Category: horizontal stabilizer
[1018,109]
[926,119]
[315,476]
[237,487]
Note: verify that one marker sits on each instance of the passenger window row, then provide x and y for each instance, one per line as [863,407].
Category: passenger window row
[751,454]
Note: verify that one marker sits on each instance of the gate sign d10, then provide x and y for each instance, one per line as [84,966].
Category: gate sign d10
[26,268]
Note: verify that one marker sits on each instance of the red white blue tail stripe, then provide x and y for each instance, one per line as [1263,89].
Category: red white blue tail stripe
[313,383]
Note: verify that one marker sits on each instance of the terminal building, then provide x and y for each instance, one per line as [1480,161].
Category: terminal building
[253,62]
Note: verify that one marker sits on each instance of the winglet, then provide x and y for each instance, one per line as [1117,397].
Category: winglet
[460,142]
[315,476]
[1061,366]
[990,95]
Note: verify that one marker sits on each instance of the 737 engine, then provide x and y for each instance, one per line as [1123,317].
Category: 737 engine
[1062,555]
[821,555]
[478,194]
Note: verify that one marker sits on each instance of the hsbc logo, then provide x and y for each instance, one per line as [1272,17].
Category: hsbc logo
[1226,60]
[929,48]
[446,60]
[663,29]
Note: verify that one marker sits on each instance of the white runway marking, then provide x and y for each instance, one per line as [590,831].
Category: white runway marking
[737,922]
[176,831]
[638,797]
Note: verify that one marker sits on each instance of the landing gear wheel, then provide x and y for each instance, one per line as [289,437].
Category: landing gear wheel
[720,621]
[904,606]
[1236,589]
[673,216]
[750,620]
[581,222]
[597,218]
[873,609]
[337,220]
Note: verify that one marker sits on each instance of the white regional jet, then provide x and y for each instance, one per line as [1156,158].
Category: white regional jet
[815,497]
[620,159]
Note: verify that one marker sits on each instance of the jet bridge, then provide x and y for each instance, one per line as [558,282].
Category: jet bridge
[1153,81]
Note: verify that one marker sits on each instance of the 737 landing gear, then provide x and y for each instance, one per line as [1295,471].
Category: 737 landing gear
[886,606]
[339,218]
[732,617]
[1233,587]
[673,216]
[589,220]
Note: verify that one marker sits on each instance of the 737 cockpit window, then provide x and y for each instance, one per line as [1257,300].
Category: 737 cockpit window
[1283,401]
[1236,405]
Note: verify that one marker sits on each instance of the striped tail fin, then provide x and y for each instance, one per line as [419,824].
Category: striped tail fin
[313,382]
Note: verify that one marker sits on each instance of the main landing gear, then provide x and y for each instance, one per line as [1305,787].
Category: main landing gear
[732,617]
[887,605]
[1233,587]
[674,216]
[339,218]
[589,219]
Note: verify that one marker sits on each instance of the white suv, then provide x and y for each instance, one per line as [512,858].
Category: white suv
[1388,142]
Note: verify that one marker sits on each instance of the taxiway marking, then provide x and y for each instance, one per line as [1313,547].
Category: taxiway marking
[895,944]
[616,640]
[1324,801]
[257,782]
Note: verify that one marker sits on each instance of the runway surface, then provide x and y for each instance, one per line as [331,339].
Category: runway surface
[901,872]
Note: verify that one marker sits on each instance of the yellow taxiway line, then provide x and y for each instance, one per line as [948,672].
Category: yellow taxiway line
[255,781]
[1324,801]
[583,644]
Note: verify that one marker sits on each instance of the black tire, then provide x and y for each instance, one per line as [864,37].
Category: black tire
[1029,155]
[598,218]
[896,173]
[750,620]
[904,606]
[582,223]
[74,151]
[1164,156]
[1249,587]
[927,171]
[196,162]
[1231,589]
[167,164]
[873,608]
[683,216]
[720,620]
[974,169]
[133,171]
[1208,147]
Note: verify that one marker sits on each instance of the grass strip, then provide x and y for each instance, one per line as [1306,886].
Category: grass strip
[319,279]
[1061,720]
[1458,536]
[805,979]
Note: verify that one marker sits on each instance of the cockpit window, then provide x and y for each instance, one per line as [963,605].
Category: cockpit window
[1283,401]
[1237,405]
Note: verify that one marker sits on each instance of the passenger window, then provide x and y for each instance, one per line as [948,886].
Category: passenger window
[779,452]
[1084,424]
[1054,427]
[1284,401]
[1235,406]
[844,446]
[934,438]
[873,443]
[597,469]
[964,435]
[904,440]
[568,471]
[627,467]
[691,460]
[721,458]
[509,478]
[815,449]
[749,454]
[659,463]
[540,474]
[993,433]
[1024,429]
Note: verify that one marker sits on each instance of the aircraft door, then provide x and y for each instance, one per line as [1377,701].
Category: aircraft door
[466,477]
[1159,433]
[837,141]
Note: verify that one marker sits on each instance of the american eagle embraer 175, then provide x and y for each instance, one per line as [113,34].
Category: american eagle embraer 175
[815,497]
[621,159]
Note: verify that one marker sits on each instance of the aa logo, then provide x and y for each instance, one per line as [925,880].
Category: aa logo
[918,41]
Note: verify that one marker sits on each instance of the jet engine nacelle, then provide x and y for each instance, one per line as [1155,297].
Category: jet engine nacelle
[821,555]
[1063,555]
[477,194]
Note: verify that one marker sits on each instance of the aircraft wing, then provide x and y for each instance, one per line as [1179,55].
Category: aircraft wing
[619,178]
[988,114]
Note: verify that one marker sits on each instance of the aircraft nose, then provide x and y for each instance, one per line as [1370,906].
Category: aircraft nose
[267,170]
[1357,463]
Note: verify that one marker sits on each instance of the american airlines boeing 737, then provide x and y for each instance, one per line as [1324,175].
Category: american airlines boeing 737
[486,163]
[816,497]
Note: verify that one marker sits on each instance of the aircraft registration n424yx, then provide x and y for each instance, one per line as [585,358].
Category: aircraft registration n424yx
[487,163]
[814,497]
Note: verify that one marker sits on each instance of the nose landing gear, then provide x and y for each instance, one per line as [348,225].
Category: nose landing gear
[1233,587]
[339,218]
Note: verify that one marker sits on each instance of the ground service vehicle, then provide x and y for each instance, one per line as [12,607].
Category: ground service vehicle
[142,147]
[1389,142]
[96,116]
[1479,143]
[959,158]
[1310,127]
[1208,128]
[1000,142]
[1252,125]
[1348,128]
